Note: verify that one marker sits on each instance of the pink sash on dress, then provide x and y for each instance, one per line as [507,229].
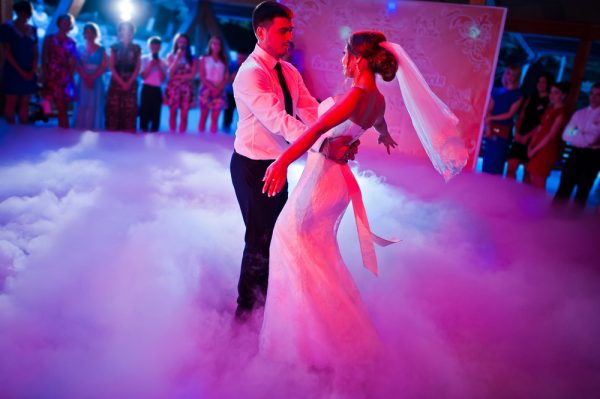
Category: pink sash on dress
[366,237]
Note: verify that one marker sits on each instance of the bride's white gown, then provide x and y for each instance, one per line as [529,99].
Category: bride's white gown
[313,312]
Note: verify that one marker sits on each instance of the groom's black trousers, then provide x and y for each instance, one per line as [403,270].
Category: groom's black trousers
[260,213]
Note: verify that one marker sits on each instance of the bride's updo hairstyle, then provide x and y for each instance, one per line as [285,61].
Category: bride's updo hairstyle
[366,44]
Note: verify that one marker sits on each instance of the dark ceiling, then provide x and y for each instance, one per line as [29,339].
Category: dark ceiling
[585,11]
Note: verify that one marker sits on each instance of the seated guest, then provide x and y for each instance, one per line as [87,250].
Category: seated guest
[504,105]
[19,42]
[546,146]
[121,101]
[582,167]
[529,119]
[89,111]
[59,61]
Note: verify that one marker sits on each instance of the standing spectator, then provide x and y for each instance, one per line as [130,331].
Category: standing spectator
[179,93]
[89,112]
[234,66]
[529,119]
[214,75]
[504,104]
[121,102]
[583,165]
[546,146]
[19,42]
[59,60]
[154,73]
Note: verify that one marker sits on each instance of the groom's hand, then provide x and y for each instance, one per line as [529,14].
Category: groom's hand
[340,149]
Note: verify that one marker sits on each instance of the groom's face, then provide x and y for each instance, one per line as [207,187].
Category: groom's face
[276,38]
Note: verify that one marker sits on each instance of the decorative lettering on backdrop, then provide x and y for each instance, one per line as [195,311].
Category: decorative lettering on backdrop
[325,65]
[474,37]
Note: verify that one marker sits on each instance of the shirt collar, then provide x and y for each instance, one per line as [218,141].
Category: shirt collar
[267,58]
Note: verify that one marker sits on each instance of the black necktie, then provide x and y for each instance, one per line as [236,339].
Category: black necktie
[287,97]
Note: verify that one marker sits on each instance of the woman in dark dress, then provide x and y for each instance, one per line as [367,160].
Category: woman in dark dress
[529,119]
[19,41]
[125,62]
[59,60]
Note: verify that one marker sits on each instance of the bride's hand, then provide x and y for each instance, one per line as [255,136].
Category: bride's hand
[275,178]
[387,140]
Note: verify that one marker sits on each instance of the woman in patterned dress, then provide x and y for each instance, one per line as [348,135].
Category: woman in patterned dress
[121,99]
[19,42]
[213,77]
[59,58]
[179,92]
[91,65]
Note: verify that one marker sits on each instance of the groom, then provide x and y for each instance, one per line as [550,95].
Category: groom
[269,93]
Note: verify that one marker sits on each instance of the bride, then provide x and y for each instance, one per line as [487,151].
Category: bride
[313,312]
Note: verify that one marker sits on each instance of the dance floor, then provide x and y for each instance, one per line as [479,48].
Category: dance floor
[119,258]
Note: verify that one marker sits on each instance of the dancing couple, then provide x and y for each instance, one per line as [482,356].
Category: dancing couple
[312,309]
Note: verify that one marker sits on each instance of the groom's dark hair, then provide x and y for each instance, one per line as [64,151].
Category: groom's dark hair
[264,14]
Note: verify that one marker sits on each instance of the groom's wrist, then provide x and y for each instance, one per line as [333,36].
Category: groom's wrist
[330,153]
[324,149]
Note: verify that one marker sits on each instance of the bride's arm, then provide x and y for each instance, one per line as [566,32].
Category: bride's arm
[384,135]
[276,173]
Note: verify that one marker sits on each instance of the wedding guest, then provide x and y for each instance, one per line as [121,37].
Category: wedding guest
[92,63]
[234,66]
[504,105]
[179,93]
[582,166]
[214,75]
[59,61]
[546,145]
[121,101]
[19,42]
[529,118]
[154,73]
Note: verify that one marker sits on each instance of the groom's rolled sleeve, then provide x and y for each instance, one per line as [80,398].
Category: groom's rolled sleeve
[254,88]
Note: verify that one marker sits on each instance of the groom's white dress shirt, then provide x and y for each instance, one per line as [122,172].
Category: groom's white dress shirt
[264,128]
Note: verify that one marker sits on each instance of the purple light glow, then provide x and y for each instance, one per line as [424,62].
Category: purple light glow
[119,258]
